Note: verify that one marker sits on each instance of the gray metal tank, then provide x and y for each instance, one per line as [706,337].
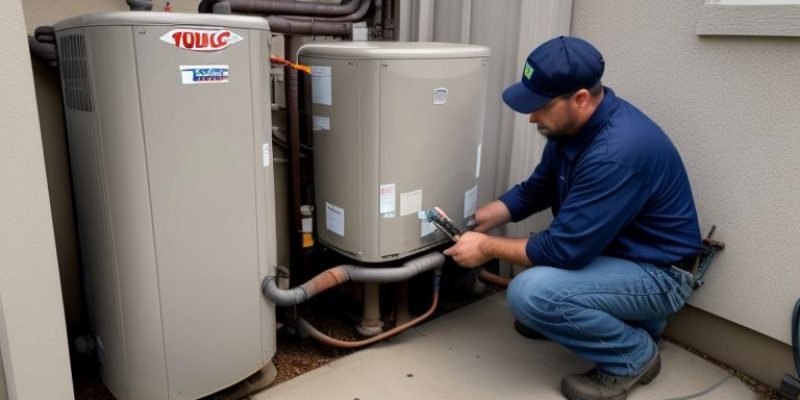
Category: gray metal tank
[397,129]
[170,135]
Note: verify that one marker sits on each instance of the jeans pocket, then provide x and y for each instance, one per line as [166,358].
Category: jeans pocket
[685,281]
[676,284]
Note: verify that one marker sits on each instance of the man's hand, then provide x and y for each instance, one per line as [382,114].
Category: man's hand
[468,251]
[474,249]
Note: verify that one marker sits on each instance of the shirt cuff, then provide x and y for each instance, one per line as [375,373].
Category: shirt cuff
[515,203]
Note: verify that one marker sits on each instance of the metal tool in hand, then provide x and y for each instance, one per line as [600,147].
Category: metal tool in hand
[441,221]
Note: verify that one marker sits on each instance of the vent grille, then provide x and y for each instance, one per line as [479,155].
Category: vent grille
[75,73]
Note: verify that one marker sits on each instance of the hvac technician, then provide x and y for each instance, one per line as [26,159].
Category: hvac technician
[604,280]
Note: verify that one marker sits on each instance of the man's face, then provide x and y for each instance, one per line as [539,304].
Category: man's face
[558,119]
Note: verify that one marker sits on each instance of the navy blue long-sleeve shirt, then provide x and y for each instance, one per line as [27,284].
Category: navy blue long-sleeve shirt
[617,188]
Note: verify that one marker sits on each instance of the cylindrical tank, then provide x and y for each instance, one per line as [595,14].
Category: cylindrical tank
[170,143]
[397,129]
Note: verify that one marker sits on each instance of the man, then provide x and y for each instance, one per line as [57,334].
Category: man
[604,281]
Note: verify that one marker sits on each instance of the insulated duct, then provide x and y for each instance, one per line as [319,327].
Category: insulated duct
[343,273]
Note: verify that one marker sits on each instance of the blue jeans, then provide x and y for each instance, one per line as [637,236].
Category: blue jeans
[611,312]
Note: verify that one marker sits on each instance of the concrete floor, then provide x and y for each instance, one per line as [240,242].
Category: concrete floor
[474,353]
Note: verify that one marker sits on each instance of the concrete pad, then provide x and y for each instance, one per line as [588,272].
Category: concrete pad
[474,353]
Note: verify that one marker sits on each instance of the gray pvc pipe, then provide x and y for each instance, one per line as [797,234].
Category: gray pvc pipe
[304,292]
[282,297]
[283,7]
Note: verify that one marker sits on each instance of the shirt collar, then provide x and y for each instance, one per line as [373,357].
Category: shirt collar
[571,147]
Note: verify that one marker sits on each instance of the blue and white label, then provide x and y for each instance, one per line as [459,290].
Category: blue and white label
[192,74]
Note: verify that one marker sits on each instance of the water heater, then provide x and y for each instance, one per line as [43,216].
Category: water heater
[169,128]
[397,128]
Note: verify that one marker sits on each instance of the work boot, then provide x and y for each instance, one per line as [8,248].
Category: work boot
[528,332]
[600,385]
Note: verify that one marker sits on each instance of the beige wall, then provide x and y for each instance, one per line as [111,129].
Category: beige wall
[730,105]
[32,333]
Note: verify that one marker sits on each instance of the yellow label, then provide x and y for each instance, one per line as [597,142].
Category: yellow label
[308,240]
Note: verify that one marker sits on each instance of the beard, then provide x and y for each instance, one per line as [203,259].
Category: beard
[557,134]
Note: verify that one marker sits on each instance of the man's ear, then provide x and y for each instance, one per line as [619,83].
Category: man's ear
[582,98]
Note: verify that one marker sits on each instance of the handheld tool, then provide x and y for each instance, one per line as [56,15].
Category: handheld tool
[441,221]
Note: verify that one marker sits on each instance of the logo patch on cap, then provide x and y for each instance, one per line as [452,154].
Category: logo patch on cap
[528,72]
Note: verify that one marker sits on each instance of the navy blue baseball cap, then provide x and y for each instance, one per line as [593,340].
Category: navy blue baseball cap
[559,66]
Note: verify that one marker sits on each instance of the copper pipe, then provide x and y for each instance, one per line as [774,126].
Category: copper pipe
[305,326]
[494,278]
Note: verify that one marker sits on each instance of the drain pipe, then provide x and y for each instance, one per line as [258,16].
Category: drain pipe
[371,323]
[343,273]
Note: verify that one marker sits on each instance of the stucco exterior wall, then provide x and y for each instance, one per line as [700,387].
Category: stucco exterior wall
[730,105]
[32,332]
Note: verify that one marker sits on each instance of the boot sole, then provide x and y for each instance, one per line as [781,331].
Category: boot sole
[648,377]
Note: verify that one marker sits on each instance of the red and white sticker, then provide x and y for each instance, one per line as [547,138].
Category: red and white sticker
[201,40]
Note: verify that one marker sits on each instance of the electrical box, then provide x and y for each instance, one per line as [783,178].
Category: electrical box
[397,128]
[169,128]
